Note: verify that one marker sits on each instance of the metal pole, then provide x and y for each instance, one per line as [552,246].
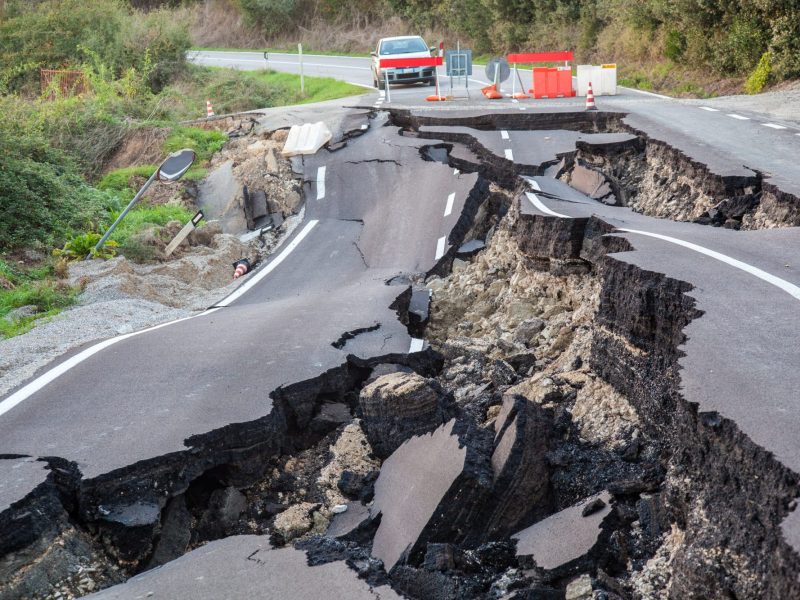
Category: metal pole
[514,83]
[302,79]
[123,213]
[386,85]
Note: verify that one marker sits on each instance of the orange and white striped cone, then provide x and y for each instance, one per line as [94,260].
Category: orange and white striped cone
[590,105]
[241,267]
[209,109]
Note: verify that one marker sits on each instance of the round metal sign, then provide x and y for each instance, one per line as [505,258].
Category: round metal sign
[498,67]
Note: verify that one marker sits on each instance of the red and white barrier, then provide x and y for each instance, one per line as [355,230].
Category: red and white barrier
[241,268]
[407,63]
[548,82]
[209,109]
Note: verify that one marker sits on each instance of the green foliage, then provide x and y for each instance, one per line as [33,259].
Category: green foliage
[273,16]
[48,298]
[674,45]
[144,217]
[760,75]
[119,180]
[57,34]
[205,142]
[83,245]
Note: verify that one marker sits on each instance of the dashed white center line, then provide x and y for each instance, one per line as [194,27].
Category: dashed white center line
[449,208]
[709,109]
[320,183]
[364,127]
[440,248]
[509,154]
[774,126]
[740,117]
[456,172]
[504,134]
[416,345]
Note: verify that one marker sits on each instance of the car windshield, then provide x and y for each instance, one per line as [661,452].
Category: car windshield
[403,46]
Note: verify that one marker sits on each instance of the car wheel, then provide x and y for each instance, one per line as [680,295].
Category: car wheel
[432,82]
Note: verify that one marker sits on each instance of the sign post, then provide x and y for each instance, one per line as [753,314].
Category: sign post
[190,226]
[302,78]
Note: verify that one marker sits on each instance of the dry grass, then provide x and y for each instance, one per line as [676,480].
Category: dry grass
[218,24]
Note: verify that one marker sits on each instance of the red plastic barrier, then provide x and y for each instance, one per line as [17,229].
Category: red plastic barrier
[552,83]
[535,57]
[402,63]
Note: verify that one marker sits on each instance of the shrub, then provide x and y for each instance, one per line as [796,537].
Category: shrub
[83,245]
[205,142]
[674,45]
[760,75]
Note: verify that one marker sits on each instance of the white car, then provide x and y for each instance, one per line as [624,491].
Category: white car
[402,47]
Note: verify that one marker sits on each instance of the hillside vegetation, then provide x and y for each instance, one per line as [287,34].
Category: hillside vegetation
[131,76]
[656,42]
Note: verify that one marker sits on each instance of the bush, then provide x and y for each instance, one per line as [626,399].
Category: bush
[760,75]
[65,33]
[205,142]
[674,45]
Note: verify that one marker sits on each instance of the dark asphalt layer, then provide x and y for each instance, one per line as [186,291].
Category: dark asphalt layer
[246,567]
[383,213]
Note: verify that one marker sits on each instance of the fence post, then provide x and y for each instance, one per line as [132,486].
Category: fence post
[302,78]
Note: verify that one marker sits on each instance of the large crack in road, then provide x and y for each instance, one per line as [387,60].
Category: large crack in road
[548,439]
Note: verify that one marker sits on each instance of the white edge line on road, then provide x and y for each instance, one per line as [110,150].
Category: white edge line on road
[504,134]
[416,345]
[534,184]
[261,273]
[784,285]
[440,247]
[740,117]
[37,384]
[449,208]
[278,62]
[646,93]
[773,126]
[320,183]
[542,208]
[509,154]
[709,109]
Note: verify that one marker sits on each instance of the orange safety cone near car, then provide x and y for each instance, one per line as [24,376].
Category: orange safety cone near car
[590,105]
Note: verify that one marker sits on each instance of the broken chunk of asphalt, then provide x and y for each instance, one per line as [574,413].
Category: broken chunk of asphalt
[564,537]
[431,489]
[519,464]
[397,406]
[469,248]
[246,567]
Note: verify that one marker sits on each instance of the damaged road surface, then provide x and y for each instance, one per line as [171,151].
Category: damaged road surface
[474,370]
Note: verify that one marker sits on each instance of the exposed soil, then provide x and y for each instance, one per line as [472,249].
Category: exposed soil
[551,388]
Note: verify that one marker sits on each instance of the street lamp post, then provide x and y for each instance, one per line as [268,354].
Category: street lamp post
[172,169]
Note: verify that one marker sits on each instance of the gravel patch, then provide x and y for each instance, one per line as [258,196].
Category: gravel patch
[781,104]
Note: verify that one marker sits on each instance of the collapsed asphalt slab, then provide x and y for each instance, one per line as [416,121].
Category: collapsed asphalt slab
[564,371]
[246,567]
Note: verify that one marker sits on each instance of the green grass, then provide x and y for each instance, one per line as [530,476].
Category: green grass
[143,217]
[317,89]
[32,287]
[204,142]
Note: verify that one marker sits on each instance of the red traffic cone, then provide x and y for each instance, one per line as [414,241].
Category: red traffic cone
[241,267]
[590,105]
[209,109]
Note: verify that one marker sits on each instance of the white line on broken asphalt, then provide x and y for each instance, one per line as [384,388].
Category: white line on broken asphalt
[509,154]
[320,183]
[542,208]
[440,248]
[261,273]
[709,109]
[784,285]
[37,384]
[456,172]
[416,345]
[740,117]
[449,208]
[773,126]
[504,134]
